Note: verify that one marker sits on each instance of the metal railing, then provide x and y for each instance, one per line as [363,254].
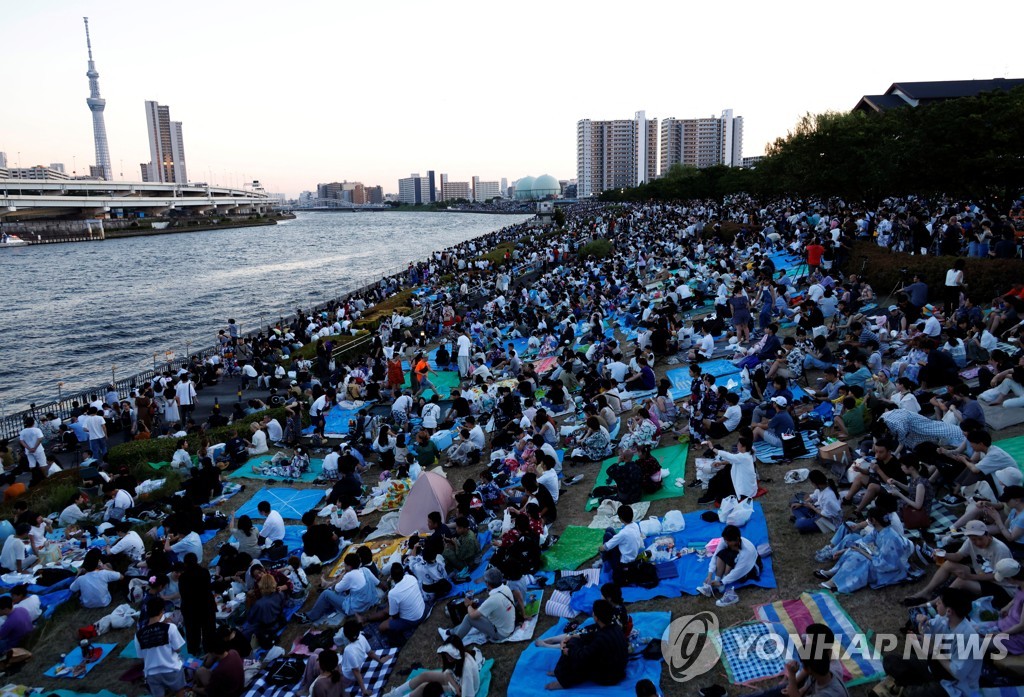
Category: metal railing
[11,424]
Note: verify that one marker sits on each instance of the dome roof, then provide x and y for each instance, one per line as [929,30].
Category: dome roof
[524,188]
[546,185]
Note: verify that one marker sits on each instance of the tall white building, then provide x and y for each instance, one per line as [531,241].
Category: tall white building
[414,189]
[504,184]
[485,191]
[615,154]
[3,160]
[166,147]
[702,142]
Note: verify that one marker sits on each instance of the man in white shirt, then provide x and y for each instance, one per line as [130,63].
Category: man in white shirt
[400,408]
[73,513]
[617,369]
[476,433]
[181,542]
[736,561]
[464,344]
[405,603]
[181,460]
[704,350]
[273,526]
[128,542]
[31,440]
[620,549]
[185,393]
[15,555]
[93,583]
[31,603]
[275,434]
[734,474]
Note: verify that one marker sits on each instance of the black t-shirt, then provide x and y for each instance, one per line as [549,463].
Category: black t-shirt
[461,407]
[547,504]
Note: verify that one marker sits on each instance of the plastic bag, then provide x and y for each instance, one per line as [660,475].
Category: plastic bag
[724,508]
[673,522]
[735,512]
[798,475]
[651,526]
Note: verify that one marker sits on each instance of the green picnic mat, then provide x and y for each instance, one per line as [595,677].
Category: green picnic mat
[576,545]
[167,463]
[445,380]
[1015,448]
[672,458]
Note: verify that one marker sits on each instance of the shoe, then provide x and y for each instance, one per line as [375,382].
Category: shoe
[704,500]
[728,598]
[827,585]
[443,633]
[706,590]
[303,618]
[824,554]
[713,691]
[575,480]
[822,574]
[693,483]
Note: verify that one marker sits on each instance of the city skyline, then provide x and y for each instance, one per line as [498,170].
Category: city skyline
[258,103]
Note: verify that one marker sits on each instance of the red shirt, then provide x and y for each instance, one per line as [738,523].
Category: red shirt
[814,253]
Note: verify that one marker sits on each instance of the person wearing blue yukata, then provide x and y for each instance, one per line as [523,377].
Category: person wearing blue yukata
[882,561]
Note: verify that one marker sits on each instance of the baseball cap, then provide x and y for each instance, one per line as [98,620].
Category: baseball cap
[1014,491]
[1006,568]
[975,528]
[781,401]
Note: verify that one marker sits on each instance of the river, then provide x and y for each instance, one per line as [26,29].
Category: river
[71,312]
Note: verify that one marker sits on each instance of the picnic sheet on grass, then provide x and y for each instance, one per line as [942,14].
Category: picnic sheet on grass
[1015,448]
[74,658]
[672,458]
[605,516]
[998,418]
[576,545]
[531,671]
[248,472]
[766,453]
[717,367]
[382,551]
[691,569]
[522,632]
[790,618]
[680,379]
[290,503]
[336,420]
[444,380]
[485,677]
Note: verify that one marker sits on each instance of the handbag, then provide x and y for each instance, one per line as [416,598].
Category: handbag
[915,518]
[276,551]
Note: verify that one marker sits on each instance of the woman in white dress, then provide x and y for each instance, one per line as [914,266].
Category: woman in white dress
[171,414]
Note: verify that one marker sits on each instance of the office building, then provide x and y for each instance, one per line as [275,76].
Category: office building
[504,187]
[415,190]
[485,191]
[375,194]
[37,172]
[456,190]
[753,161]
[702,142]
[616,154]
[166,146]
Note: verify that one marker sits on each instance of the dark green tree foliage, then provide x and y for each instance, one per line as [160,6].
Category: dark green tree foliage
[970,147]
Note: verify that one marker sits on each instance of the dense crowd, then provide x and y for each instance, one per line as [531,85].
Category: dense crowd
[557,355]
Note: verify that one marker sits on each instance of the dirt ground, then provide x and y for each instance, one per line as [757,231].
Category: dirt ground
[875,611]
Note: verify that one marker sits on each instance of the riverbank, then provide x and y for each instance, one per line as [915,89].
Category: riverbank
[93,230]
[118,234]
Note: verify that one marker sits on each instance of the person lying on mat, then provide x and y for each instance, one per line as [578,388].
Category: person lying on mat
[599,656]
[735,561]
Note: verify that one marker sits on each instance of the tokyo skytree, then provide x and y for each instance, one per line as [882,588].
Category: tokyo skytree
[96,106]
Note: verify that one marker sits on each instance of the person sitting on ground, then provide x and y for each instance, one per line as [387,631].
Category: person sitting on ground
[323,677]
[957,675]
[92,582]
[611,593]
[23,599]
[882,561]
[462,548]
[735,562]
[273,525]
[320,539]
[815,673]
[405,606]
[17,624]
[594,443]
[459,674]
[257,444]
[427,565]
[625,481]
[222,673]
[465,452]
[73,513]
[265,617]
[820,511]
[971,569]
[354,592]
[620,549]
[16,554]
[495,617]
[730,474]
[599,656]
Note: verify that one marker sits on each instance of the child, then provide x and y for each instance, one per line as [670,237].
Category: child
[493,496]
[357,650]
[297,575]
[821,511]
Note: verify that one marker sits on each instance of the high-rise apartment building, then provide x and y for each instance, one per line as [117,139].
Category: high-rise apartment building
[375,194]
[485,191]
[616,154]
[456,190]
[415,190]
[702,142]
[166,147]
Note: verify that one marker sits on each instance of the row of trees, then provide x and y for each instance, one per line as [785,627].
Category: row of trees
[971,147]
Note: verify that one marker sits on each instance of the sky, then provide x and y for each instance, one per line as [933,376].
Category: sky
[298,93]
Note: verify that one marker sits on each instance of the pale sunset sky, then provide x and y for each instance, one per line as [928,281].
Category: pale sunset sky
[298,93]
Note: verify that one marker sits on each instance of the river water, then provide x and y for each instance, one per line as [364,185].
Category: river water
[72,311]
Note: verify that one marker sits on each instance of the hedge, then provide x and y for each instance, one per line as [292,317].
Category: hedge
[986,278]
[338,340]
[497,255]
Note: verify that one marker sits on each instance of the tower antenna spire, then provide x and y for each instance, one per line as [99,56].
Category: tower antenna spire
[96,105]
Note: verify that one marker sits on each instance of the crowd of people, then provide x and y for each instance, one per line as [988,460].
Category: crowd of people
[557,357]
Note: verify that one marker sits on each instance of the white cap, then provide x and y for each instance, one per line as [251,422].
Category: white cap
[781,401]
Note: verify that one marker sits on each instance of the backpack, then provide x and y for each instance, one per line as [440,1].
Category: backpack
[518,559]
[287,670]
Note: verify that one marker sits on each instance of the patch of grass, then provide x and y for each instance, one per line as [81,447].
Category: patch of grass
[497,255]
[52,494]
[400,302]
[599,249]
[338,341]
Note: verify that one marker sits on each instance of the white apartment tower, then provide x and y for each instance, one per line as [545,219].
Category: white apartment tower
[702,142]
[615,154]
[166,147]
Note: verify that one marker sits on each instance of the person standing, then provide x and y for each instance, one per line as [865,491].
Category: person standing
[185,396]
[157,644]
[96,427]
[197,606]
[465,344]
[31,440]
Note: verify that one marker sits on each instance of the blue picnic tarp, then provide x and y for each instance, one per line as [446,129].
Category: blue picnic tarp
[290,503]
